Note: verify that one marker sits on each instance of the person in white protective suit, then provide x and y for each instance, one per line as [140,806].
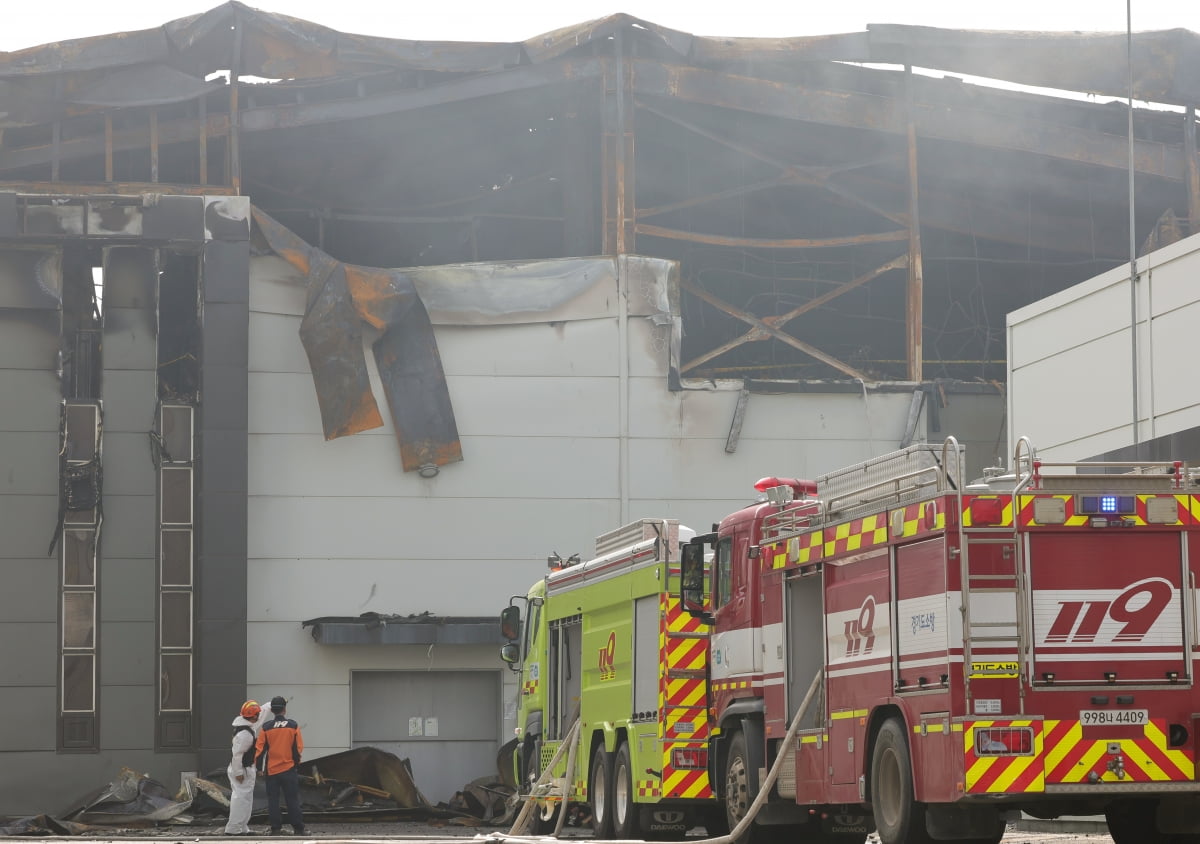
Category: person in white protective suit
[241,768]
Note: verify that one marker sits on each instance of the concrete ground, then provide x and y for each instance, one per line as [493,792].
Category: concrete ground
[439,833]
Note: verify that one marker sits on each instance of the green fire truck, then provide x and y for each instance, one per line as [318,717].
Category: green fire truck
[604,643]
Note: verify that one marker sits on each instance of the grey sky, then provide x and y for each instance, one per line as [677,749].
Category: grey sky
[494,20]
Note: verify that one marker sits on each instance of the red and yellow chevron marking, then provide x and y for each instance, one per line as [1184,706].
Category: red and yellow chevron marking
[1003,774]
[683,652]
[797,550]
[1070,757]
[692,784]
[1188,505]
[648,788]
[857,534]
[920,518]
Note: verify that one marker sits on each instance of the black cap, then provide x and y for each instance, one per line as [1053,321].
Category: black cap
[278,703]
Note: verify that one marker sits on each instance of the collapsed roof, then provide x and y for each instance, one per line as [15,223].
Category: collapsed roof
[835,216]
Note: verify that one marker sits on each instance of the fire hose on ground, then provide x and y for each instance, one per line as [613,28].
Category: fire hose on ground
[572,741]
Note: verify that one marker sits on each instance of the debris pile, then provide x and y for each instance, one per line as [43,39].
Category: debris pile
[365,784]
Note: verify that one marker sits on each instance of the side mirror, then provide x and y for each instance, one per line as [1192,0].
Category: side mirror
[510,653]
[510,624]
[691,581]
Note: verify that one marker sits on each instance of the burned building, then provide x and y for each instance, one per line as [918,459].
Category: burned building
[638,266]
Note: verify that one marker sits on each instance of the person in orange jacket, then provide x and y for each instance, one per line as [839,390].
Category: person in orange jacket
[278,752]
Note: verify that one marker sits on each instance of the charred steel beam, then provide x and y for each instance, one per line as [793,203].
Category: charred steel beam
[153,145]
[108,148]
[818,176]
[884,114]
[948,212]
[117,190]
[784,337]
[756,334]
[770,243]
[617,168]
[979,216]
[740,190]
[915,295]
[1192,174]
[203,140]
[475,87]
[235,71]
[305,114]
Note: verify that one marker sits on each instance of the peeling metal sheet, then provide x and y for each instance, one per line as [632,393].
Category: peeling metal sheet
[131,797]
[146,85]
[339,296]
[551,45]
[32,278]
[1166,63]
[517,292]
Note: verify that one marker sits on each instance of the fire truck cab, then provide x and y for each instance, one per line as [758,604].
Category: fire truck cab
[1023,643]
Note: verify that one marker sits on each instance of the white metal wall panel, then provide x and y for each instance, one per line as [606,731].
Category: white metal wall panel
[1071,358]
[321,710]
[502,467]
[1071,323]
[555,407]
[29,399]
[1074,393]
[795,419]
[577,348]
[275,344]
[419,530]
[283,403]
[30,462]
[1174,368]
[390,586]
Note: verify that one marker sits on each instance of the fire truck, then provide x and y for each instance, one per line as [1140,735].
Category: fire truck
[1021,643]
[604,643]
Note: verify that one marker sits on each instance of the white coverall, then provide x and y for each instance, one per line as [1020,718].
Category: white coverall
[241,798]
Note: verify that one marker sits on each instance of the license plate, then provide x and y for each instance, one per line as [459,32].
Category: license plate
[1114,717]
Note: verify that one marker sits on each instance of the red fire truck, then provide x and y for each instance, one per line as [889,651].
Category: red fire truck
[1022,643]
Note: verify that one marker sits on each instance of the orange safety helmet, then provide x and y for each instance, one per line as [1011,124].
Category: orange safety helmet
[250,710]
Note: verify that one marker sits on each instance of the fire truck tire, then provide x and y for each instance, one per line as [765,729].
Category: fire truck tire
[714,821]
[600,793]
[1132,822]
[624,809]
[531,765]
[898,818]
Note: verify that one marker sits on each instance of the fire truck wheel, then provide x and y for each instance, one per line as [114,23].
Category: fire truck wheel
[898,818]
[600,795]
[1132,822]
[737,784]
[531,765]
[625,811]
[714,821]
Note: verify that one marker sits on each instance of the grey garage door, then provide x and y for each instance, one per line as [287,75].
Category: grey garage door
[445,723]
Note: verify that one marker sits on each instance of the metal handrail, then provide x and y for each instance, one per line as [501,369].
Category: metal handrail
[855,493]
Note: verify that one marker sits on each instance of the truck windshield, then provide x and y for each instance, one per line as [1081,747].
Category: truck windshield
[723,573]
[531,626]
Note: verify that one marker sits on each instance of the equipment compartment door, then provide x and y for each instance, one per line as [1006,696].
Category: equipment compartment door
[922,619]
[1107,607]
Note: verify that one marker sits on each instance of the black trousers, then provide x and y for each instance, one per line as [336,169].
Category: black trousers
[289,783]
